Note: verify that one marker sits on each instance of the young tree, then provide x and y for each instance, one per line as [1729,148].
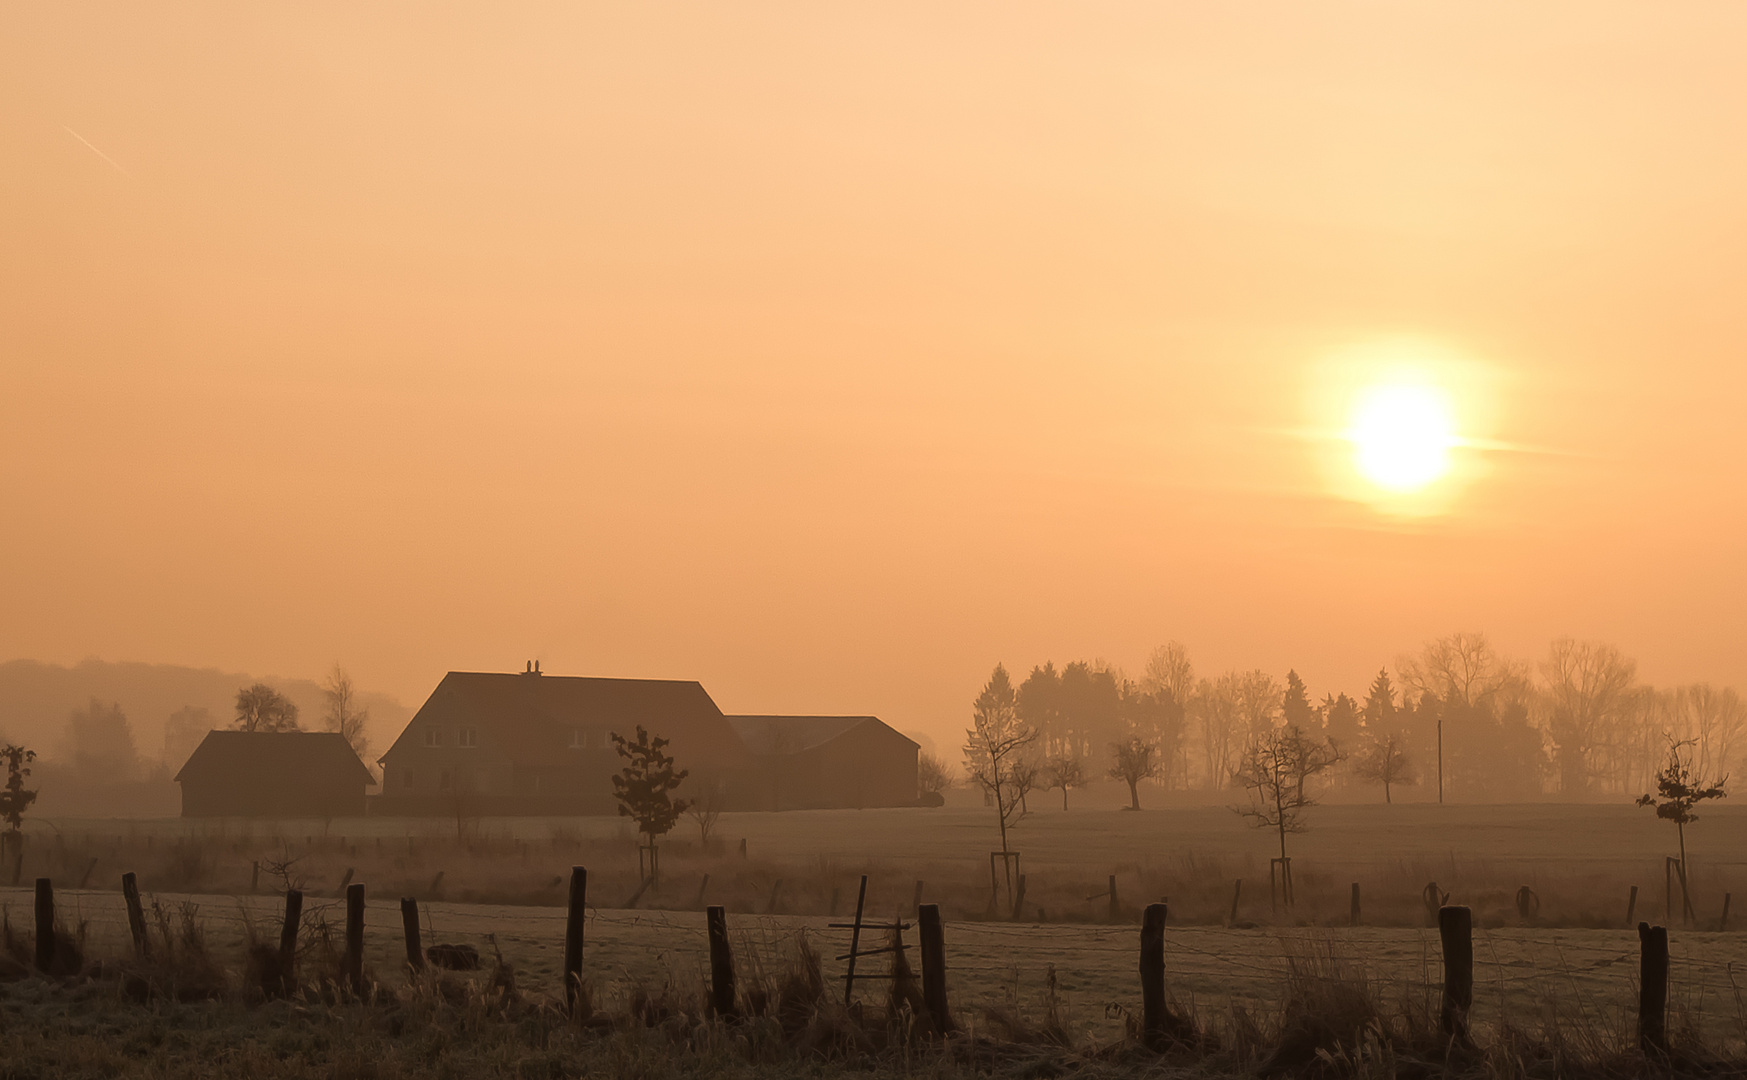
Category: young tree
[645,785]
[262,708]
[1063,771]
[1276,767]
[1385,761]
[704,813]
[14,801]
[993,750]
[1134,761]
[342,713]
[1679,789]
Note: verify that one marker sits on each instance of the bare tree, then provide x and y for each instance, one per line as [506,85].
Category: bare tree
[1215,710]
[993,751]
[1259,698]
[342,713]
[262,708]
[1168,670]
[1385,761]
[1591,699]
[1276,767]
[1134,761]
[934,777]
[1063,771]
[1712,720]
[704,813]
[1679,789]
[1460,669]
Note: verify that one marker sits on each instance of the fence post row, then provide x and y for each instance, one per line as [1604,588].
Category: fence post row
[1652,989]
[722,994]
[1152,976]
[577,909]
[933,936]
[1456,932]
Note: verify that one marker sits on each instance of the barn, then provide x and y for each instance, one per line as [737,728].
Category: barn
[526,743]
[825,762]
[282,774]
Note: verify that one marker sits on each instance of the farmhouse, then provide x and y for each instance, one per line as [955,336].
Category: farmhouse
[818,762]
[526,743]
[287,774]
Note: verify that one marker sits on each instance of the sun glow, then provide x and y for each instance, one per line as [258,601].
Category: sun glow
[1402,435]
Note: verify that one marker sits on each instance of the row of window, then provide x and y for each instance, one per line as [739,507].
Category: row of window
[467,738]
[448,780]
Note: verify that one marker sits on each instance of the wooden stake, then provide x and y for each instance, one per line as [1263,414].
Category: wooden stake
[288,932]
[854,943]
[1019,898]
[1152,976]
[1456,932]
[1237,889]
[45,924]
[136,917]
[1723,923]
[722,994]
[1653,989]
[409,922]
[775,892]
[1631,905]
[577,909]
[1353,920]
[1115,905]
[703,885]
[933,936]
[346,881]
[355,938]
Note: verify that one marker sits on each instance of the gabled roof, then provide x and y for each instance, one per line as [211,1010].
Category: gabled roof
[528,717]
[238,754]
[766,736]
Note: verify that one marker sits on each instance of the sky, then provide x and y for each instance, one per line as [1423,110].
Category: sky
[831,354]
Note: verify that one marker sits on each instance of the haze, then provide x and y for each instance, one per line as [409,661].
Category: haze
[830,356]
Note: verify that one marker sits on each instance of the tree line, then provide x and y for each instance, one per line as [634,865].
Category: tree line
[1455,716]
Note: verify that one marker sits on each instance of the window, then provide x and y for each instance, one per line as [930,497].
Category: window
[578,739]
[433,736]
[468,738]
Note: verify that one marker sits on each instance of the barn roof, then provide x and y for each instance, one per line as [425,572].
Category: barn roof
[529,715]
[239,753]
[765,736]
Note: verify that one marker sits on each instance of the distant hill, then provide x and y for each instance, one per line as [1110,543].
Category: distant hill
[37,698]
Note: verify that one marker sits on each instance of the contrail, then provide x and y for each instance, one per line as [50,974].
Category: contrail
[96,151]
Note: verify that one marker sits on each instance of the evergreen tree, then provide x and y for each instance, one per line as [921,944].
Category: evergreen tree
[1296,708]
[1379,711]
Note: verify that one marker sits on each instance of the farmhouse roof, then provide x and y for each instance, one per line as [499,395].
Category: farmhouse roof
[529,714]
[766,736]
[306,753]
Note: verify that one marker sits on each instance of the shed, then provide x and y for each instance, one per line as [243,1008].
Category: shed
[284,774]
[826,762]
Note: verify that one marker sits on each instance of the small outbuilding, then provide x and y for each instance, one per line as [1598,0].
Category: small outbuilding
[283,774]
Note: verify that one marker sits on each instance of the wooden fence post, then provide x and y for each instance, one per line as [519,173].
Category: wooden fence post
[578,908]
[703,886]
[775,893]
[933,937]
[288,932]
[346,881]
[1723,923]
[1152,976]
[1456,931]
[1631,905]
[136,916]
[722,996]
[1354,918]
[409,921]
[1115,905]
[45,924]
[1236,891]
[355,937]
[1653,989]
[1019,898]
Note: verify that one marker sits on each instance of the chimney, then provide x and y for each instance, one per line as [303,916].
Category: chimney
[536,667]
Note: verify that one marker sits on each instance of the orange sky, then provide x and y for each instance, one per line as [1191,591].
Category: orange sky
[829,355]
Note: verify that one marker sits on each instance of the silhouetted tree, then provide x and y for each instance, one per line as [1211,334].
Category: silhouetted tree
[704,813]
[1679,790]
[342,713]
[101,744]
[1135,760]
[1379,709]
[993,751]
[1385,761]
[645,786]
[15,799]
[933,777]
[262,708]
[1063,771]
[1295,707]
[1276,767]
[1341,721]
[183,731]
[1463,673]
[1591,699]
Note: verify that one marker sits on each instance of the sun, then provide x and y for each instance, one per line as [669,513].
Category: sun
[1402,435]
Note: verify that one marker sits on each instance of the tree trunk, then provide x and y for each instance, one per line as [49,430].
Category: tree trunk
[1064,798]
[1386,799]
[1134,795]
